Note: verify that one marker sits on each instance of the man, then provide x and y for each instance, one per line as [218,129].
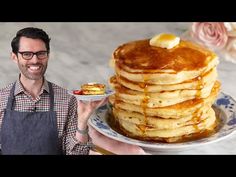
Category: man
[37,116]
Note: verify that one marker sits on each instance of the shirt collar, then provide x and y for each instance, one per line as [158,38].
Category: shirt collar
[19,87]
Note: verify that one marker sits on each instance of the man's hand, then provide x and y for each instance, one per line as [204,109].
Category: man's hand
[86,109]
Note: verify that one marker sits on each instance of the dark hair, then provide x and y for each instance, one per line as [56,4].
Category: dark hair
[30,32]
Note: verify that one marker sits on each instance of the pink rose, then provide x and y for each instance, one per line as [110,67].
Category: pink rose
[211,34]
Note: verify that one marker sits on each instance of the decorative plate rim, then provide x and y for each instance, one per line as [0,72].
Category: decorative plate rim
[225,107]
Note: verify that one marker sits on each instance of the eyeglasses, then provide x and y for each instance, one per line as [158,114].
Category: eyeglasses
[29,55]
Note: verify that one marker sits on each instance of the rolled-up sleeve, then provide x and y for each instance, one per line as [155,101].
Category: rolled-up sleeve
[70,144]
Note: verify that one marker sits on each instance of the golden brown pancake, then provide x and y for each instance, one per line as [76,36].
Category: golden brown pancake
[93,89]
[160,99]
[139,62]
[176,111]
[145,132]
[196,83]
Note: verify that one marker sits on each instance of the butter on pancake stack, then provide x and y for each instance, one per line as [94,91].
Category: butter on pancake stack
[164,88]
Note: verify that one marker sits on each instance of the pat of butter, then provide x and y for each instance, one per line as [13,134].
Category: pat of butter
[164,40]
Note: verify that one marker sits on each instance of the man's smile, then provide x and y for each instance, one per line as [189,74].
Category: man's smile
[34,68]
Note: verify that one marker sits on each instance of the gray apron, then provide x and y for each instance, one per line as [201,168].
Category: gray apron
[31,133]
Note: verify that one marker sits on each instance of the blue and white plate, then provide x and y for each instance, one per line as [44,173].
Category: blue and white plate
[224,106]
[92,97]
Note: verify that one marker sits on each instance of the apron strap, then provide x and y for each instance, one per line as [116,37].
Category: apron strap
[11,98]
[51,96]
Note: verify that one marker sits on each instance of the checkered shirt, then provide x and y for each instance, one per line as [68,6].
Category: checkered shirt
[65,106]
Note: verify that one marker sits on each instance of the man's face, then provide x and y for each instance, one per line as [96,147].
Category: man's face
[34,68]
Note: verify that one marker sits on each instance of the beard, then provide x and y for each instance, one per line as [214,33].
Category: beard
[33,71]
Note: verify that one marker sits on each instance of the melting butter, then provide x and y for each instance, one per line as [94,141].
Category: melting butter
[164,40]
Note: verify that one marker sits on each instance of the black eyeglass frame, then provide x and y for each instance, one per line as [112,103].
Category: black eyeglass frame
[34,53]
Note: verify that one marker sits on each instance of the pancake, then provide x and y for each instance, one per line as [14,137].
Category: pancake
[160,99]
[139,62]
[196,110]
[158,122]
[196,83]
[145,132]
[93,89]
[174,111]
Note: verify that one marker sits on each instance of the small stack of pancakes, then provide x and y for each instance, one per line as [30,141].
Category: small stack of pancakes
[93,89]
[164,93]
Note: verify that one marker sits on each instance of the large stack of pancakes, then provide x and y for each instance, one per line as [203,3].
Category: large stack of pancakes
[164,93]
